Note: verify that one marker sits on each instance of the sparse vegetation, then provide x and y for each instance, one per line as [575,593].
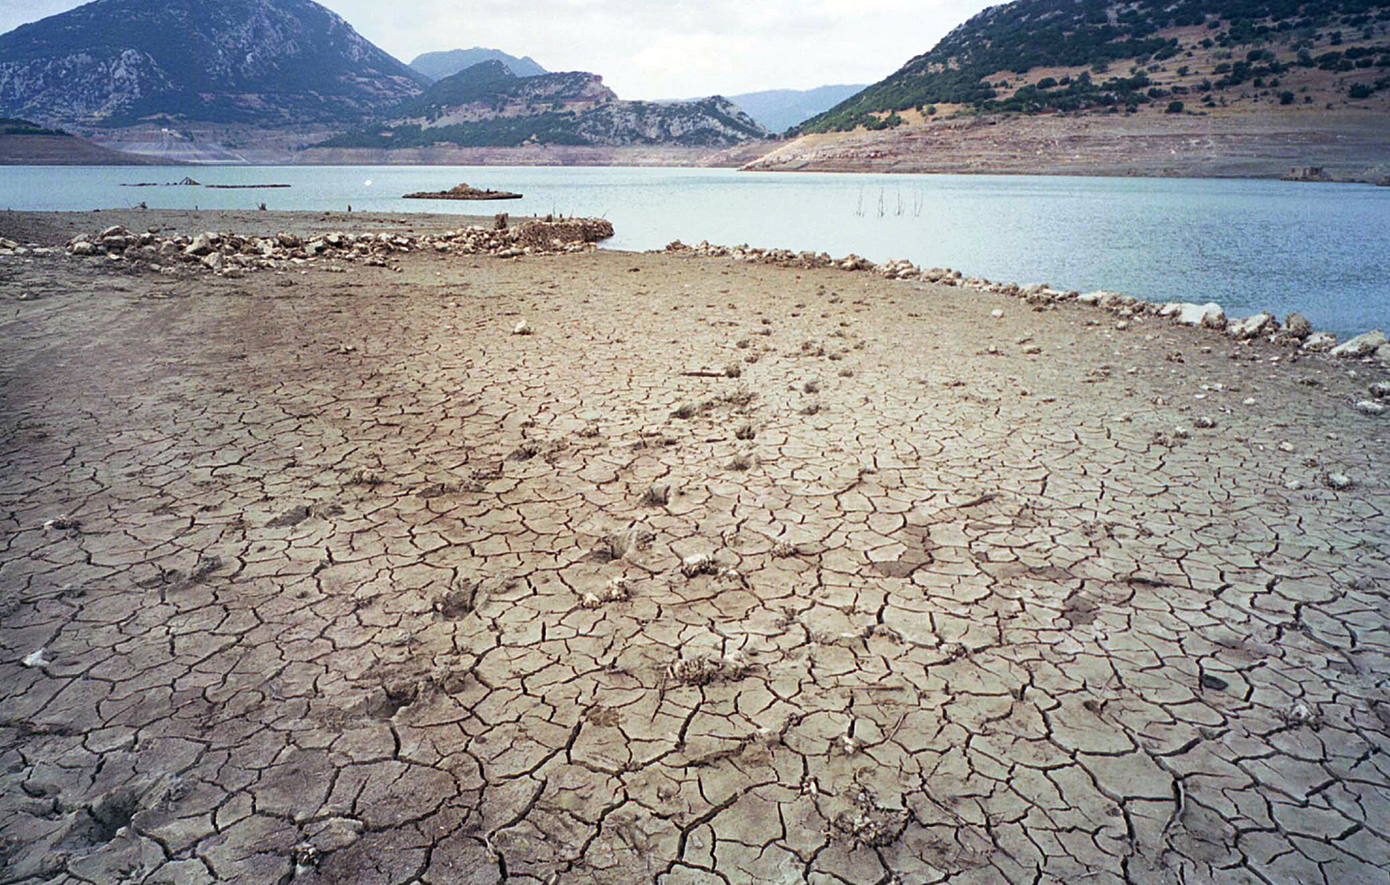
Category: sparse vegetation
[1097,35]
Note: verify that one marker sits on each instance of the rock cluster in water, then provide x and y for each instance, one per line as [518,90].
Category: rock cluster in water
[231,254]
[1296,330]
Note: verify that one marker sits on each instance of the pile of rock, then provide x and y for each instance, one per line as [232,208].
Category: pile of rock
[232,254]
[1295,331]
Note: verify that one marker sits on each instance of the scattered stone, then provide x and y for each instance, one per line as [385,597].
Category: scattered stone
[1300,715]
[1369,407]
[657,495]
[1381,390]
[1204,423]
[784,549]
[590,600]
[522,328]
[36,660]
[617,590]
[1215,683]
[699,564]
[1338,482]
[997,313]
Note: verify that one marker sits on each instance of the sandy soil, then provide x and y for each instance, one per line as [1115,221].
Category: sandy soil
[328,576]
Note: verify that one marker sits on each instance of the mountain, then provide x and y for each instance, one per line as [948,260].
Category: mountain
[780,109]
[488,105]
[266,63]
[1045,56]
[438,65]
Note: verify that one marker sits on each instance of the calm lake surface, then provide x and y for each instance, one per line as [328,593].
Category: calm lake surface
[1323,249]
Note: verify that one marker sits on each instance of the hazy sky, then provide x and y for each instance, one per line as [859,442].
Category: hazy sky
[656,49]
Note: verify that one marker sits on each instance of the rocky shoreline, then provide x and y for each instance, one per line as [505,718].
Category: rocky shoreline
[231,255]
[1296,331]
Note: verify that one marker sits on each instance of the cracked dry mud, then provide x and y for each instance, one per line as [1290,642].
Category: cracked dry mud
[344,582]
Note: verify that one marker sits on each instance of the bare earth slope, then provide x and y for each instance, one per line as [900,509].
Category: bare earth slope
[328,574]
[60,150]
[1350,145]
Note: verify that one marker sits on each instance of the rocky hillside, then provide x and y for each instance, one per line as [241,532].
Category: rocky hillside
[1048,56]
[265,63]
[438,65]
[488,106]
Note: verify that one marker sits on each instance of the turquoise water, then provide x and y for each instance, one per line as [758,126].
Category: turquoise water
[1322,249]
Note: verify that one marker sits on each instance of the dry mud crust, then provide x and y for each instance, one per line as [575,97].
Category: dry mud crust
[342,581]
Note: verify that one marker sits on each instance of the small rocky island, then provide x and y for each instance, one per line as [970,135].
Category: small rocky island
[463,192]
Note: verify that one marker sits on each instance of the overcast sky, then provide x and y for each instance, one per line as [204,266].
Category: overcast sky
[655,49]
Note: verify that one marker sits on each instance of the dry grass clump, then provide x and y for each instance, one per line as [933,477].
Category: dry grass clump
[704,669]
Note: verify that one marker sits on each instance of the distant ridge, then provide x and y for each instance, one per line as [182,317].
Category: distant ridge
[781,109]
[438,65]
[488,106]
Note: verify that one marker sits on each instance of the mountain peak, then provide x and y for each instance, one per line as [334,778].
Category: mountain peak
[260,62]
[438,65]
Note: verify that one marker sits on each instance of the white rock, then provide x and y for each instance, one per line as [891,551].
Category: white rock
[1251,326]
[1338,481]
[201,245]
[213,261]
[996,313]
[1293,485]
[1320,341]
[521,328]
[1370,407]
[82,247]
[1364,344]
[1209,315]
[36,660]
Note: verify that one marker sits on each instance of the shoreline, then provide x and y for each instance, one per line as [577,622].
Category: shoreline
[1294,330]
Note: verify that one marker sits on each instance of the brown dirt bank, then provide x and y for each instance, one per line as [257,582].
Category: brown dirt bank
[56,150]
[328,571]
[1350,145]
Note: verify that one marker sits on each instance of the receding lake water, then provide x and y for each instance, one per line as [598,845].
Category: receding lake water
[1323,249]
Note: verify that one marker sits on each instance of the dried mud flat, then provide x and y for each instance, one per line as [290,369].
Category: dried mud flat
[723,573]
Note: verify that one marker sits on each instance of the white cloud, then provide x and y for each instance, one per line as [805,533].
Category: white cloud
[657,49]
